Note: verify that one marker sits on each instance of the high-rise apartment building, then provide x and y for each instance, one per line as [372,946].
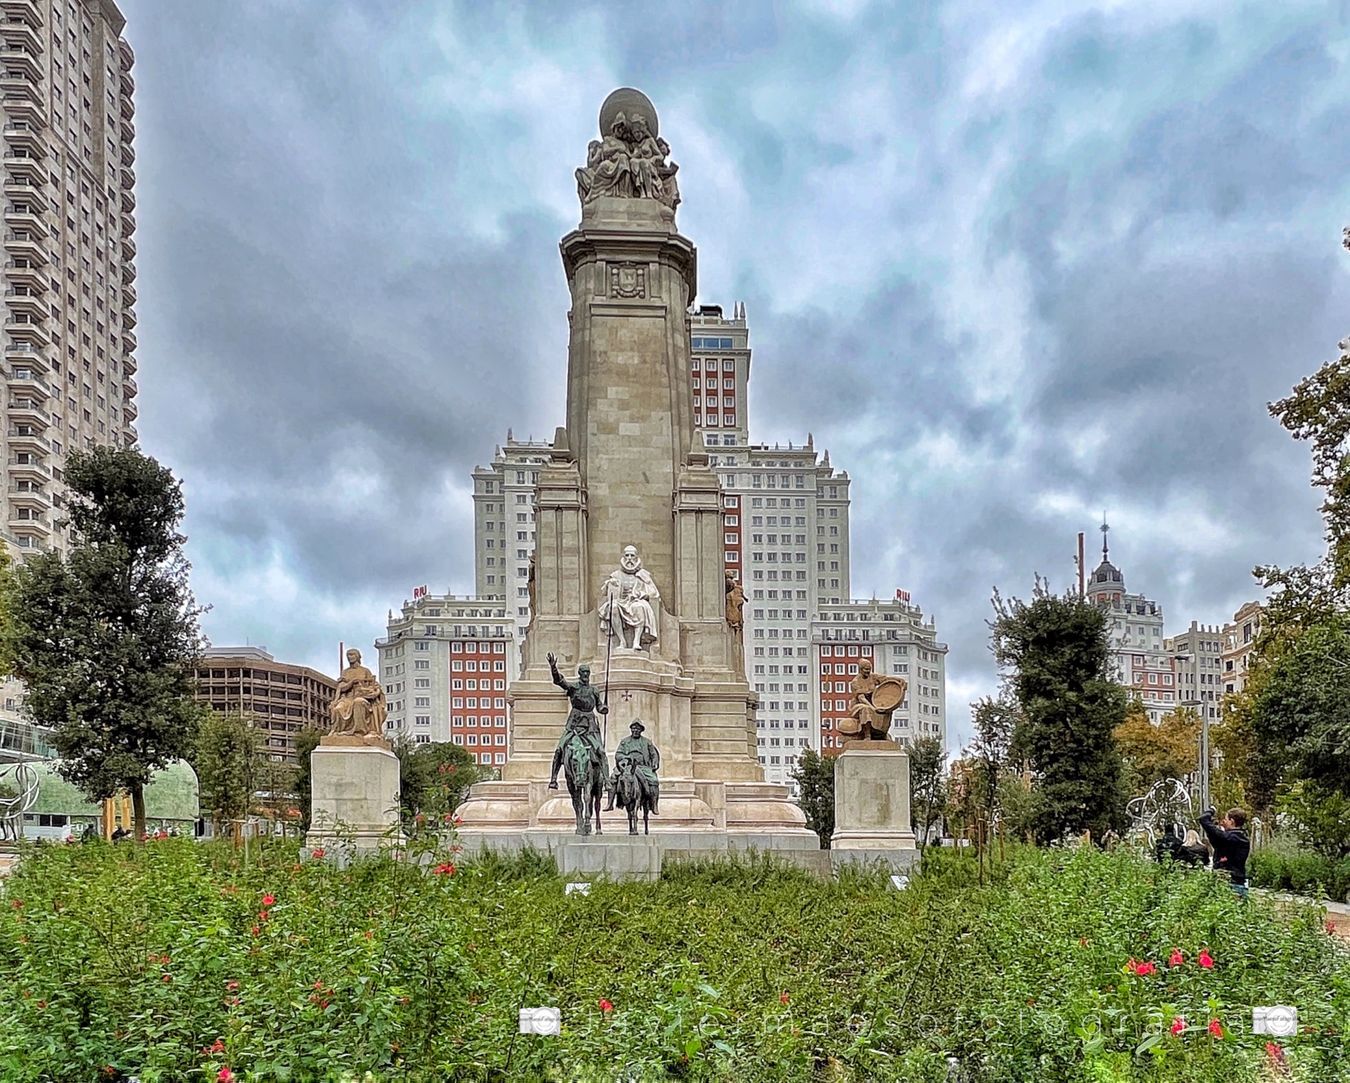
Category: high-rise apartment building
[719,372]
[69,340]
[1239,645]
[282,699]
[503,525]
[445,664]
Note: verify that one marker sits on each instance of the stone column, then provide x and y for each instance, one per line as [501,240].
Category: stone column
[871,805]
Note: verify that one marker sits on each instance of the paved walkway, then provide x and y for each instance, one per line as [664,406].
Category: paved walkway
[1338,914]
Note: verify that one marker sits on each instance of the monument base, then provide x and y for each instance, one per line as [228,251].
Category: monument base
[871,805]
[617,855]
[354,796]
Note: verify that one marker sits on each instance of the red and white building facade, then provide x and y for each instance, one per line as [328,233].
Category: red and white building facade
[445,664]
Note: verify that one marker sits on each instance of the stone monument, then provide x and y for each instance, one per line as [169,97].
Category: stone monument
[871,778]
[628,483]
[354,774]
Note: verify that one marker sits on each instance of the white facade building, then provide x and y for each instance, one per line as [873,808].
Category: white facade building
[503,525]
[445,664]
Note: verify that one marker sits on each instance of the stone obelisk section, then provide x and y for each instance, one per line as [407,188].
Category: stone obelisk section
[629,469]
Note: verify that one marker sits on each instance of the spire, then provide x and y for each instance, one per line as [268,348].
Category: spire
[1105,529]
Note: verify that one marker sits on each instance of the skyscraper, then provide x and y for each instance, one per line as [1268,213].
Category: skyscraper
[66,97]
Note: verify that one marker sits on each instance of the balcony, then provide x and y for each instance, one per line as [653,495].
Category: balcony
[24,381]
[132,435]
[28,413]
[27,10]
[128,273]
[128,200]
[26,221]
[128,248]
[22,190]
[27,331]
[129,339]
[128,295]
[27,108]
[21,35]
[128,107]
[25,438]
[128,154]
[128,223]
[14,59]
[35,278]
[129,385]
[24,300]
[27,137]
[25,248]
[128,318]
[128,131]
[35,499]
[28,524]
[27,355]
[32,470]
[15,84]
[130,411]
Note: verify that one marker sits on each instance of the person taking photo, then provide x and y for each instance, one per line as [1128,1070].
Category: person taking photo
[1231,845]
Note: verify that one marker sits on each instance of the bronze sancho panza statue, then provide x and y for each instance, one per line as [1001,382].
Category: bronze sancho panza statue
[581,752]
[359,708]
[874,701]
[635,784]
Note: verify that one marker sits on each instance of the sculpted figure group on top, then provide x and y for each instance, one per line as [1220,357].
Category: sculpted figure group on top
[629,161]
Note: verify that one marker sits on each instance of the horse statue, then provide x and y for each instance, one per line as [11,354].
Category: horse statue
[585,784]
[631,795]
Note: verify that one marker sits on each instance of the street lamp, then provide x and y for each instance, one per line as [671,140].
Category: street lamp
[1199,705]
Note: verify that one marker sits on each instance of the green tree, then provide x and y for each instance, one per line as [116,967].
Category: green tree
[995,722]
[104,640]
[229,763]
[434,778]
[1054,654]
[814,776]
[1319,816]
[927,785]
[7,588]
[306,741]
[1150,753]
[1301,716]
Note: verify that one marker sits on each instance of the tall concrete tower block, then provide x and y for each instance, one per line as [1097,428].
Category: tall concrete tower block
[629,470]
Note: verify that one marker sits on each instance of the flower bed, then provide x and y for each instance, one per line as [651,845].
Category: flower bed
[178,961]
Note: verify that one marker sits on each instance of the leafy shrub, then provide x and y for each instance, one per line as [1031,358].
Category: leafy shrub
[1303,872]
[175,960]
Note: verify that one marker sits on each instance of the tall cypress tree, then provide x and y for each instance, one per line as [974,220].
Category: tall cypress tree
[1055,657]
[105,638]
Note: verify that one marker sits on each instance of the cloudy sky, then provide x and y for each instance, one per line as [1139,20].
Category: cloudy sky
[1030,261]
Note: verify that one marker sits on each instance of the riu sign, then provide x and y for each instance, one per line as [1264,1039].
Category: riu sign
[419,592]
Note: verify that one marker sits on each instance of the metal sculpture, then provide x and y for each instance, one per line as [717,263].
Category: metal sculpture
[1166,805]
[18,794]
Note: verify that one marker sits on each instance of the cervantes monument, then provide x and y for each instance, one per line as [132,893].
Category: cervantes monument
[628,575]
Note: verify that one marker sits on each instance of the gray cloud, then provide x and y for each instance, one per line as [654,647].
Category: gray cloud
[1031,265]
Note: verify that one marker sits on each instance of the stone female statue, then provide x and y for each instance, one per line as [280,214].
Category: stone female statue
[359,708]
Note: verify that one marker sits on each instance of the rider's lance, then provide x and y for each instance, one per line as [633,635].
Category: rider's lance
[609,646]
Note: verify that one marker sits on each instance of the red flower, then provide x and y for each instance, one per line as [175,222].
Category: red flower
[269,900]
[41,1004]
[1205,959]
[316,852]
[17,904]
[1145,969]
[446,869]
[225,1075]
[605,1005]
[231,986]
[370,934]
[1330,928]
[1176,958]
[1215,1028]
[255,930]
[1082,941]
[783,997]
[1178,1025]
[167,978]
[215,1047]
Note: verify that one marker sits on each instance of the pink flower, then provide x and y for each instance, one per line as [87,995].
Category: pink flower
[446,869]
[269,900]
[225,1075]
[783,997]
[318,851]
[167,978]
[1275,1054]
[255,930]
[1176,958]
[1178,1025]
[1145,969]
[1215,1028]
[231,986]
[1205,959]
[605,1005]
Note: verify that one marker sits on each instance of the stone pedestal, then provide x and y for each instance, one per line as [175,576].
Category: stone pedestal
[354,795]
[871,806]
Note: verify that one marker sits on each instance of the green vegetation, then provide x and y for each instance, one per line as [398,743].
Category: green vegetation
[102,639]
[814,775]
[1054,655]
[176,960]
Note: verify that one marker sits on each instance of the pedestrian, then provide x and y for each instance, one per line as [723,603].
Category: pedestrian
[1231,845]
